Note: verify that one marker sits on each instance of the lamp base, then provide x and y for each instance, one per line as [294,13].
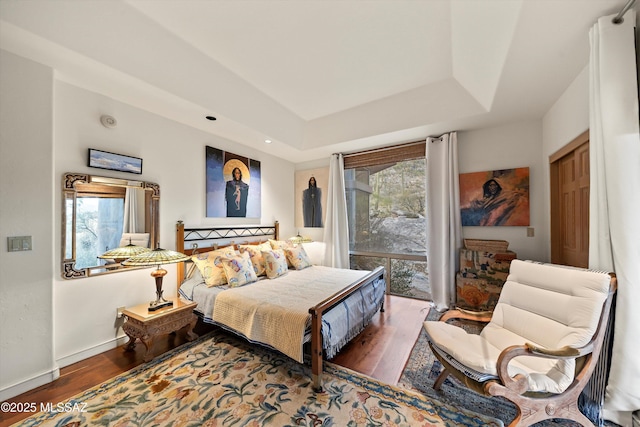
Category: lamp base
[157,305]
[160,302]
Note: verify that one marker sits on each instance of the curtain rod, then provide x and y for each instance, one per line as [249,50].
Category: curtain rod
[393,147]
[618,18]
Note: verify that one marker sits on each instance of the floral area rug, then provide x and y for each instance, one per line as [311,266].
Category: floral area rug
[422,370]
[220,380]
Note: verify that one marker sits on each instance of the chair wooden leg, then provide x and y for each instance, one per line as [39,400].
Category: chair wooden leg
[576,416]
[443,376]
[534,410]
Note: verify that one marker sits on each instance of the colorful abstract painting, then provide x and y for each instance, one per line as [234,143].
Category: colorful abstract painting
[495,198]
[233,185]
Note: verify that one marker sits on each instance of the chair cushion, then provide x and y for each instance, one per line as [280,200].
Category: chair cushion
[547,305]
[137,239]
[480,355]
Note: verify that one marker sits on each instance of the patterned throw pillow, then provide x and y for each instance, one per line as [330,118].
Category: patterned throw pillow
[238,269]
[281,244]
[255,253]
[297,257]
[275,263]
[213,274]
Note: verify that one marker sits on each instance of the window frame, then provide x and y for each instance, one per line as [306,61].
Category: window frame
[378,157]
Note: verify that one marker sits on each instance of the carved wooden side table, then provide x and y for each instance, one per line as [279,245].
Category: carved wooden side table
[140,323]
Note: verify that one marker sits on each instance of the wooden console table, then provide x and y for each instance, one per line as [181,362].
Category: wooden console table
[140,323]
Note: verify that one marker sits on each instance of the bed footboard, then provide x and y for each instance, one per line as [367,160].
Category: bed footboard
[316,322]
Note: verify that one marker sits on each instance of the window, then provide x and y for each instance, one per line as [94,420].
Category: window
[99,223]
[385,192]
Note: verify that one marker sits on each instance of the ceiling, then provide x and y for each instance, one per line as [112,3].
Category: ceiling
[315,77]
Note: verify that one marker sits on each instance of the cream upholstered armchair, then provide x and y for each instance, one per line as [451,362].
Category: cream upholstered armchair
[541,343]
[137,239]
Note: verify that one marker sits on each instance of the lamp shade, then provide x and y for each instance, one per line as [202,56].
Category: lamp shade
[157,256]
[297,239]
[124,252]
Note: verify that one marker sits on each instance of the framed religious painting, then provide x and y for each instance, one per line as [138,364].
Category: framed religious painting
[233,187]
[495,198]
[311,197]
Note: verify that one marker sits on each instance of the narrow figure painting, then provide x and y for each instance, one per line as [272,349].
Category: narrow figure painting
[311,197]
[495,198]
[233,185]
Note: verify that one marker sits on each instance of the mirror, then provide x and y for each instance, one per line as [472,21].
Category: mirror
[94,220]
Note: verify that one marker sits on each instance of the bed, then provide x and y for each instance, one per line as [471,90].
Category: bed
[314,307]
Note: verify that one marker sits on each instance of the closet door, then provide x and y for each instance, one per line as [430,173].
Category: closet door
[569,170]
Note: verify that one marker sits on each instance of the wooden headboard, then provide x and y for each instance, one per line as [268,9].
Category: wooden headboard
[205,239]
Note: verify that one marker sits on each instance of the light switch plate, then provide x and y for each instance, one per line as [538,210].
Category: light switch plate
[19,243]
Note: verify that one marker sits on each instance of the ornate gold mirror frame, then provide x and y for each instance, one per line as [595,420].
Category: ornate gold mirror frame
[75,186]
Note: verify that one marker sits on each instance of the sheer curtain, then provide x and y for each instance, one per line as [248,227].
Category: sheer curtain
[444,229]
[614,230]
[336,228]
[130,223]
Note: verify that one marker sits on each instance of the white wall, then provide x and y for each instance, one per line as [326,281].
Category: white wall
[501,147]
[26,207]
[565,120]
[505,147]
[46,128]
[173,157]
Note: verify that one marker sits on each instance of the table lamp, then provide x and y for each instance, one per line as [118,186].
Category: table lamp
[124,252]
[157,257]
[297,239]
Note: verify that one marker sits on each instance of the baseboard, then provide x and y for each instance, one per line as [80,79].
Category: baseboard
[52,375]
[92,351]
[30,384]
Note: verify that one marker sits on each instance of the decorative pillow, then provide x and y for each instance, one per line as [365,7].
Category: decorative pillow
[297,257]
[275,263]
[255,253]
[213,274]
[238,269]
[281,244]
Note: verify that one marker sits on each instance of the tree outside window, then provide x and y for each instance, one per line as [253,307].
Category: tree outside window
[386,208]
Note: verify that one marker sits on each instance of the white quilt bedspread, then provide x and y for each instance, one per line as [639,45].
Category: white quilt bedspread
[276,312]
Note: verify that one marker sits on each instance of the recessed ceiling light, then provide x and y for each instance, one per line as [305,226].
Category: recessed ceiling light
[210,118]
[267,141]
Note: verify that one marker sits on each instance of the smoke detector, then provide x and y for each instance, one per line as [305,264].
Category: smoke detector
[108,121]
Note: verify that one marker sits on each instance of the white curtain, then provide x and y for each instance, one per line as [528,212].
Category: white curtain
[614,230]
[444,229]
[130,223]
[336,228]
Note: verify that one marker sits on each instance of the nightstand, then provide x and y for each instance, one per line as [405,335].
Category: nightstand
[140,323]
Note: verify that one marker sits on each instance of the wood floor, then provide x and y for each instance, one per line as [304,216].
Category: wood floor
[380,351]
